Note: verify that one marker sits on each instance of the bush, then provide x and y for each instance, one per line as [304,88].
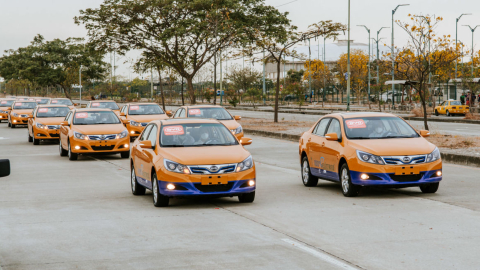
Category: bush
[234,101]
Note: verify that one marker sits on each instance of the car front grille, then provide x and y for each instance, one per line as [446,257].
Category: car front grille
[214,188]
[54,127]
[23,115]
[103,148]
[401,160]
[212,169]
[55,135]
[406,178]
[102,137]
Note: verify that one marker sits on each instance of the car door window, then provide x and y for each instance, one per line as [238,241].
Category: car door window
[152,137]
[182,113]
[145,132]
[334,127]
[177,113]
[321,126]
[69,118]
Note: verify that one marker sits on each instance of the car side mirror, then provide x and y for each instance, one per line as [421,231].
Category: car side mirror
[424,133]
[146,144]
[122,114]
[9,108]
[30,116]
[83,106]
[125,121]
[169,113]
[4,167]
[237,117]
[245,141]
[75,104]
[331,136]
[64,123]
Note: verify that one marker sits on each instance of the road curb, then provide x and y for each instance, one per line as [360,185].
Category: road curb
[446,157]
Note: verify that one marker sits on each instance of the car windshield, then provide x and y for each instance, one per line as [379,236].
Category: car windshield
[42,100]
[104,105]
[378,128]
[46,112]
[24,105]
[6,103]
[95,118]
[455,103]
[213,112]
[67,102]
[144,109]
[196,135]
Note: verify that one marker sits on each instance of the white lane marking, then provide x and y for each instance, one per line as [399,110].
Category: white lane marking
[320,255]
[2,138]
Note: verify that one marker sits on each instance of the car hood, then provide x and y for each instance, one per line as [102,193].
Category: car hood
[24,111]
[50,120]
[206,155]
[4,108]
[99,129]
[230,124]
[394,147]
[147,118]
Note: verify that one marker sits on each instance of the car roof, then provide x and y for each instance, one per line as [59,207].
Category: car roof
[204,106]
[52,105]
[92,110]
[103,101]
[61,98]
[142,103]
[348,115]
[172,121]
[7,99]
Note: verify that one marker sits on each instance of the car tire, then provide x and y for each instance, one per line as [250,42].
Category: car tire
[448,113]
[125,154]
[9,125]
[30,138]
[348,189]
[307,178]
[63,152]
[12,126]
[71,155]
[137,189]
[429,188]
[36,141]
[247,197]
[436,113]
[158,199]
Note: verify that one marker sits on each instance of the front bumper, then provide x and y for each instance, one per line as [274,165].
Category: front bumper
[46,134]
[3,116]
[108,146]
[15,120]
[135,131]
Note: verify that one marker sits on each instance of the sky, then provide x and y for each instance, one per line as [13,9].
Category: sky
[21,20]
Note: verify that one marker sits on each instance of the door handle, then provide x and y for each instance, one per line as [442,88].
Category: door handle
[309,139]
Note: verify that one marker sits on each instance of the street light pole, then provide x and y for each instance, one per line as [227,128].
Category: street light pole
[348,60]
[393,54]
[378,60]
[456,48]
[473,30]
[368,30]
[263,79]
[310,73]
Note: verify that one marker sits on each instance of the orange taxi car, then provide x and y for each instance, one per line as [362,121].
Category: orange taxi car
[63,101]
[20,112]
[5,107]
[451,107]
[92,131]
[191,157]
[215,112]
[138,116]
[44,124]
[104,104]
[42,100]
[369,149]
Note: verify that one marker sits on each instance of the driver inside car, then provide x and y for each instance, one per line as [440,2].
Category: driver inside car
[377,128]
[204,135]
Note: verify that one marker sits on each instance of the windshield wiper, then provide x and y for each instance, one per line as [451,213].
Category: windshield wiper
[362,138]
[173,145]
[388,137]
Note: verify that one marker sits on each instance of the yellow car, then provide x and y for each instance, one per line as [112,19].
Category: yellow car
[44,124]
[20,112]
[104,104]
[5,105]
[139,115]
[63,101]
[451,107]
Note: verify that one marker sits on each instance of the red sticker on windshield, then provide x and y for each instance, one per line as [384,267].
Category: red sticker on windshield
[43,110]
[96,104]
[134,108]
[4,102]
[81,115]
[38,100]
[173,130]
[31,99]
[356,123]
[18,104]
[194,111]
[54,101]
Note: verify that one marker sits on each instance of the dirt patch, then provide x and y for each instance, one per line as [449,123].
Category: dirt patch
[269,125]
[454,141]
[472,116]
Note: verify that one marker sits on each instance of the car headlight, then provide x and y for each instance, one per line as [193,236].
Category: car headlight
[123,134]
[435,155]
[238,130]
[134,123]
[245,165]
[41,126]
[369,158]
[80,136]
[15,114]
[175,167]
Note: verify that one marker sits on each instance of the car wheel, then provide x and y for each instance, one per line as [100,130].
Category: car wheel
[348,189]
[436,113]
[307,178]
[158,199]
[30,138]
[36,141]
[429,188]
[12,125]
[247,197]
[137,189]
[125,154]
[63,152]
[71,156]
[448,113]
[9,125]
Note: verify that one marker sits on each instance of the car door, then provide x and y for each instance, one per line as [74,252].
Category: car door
[315,146]
[149,154]
[331,151]
[442,107]
[31,122]
[64,130]
[139,158]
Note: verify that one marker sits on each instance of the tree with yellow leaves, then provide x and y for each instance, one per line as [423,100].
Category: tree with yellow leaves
[319,73]
[358,71]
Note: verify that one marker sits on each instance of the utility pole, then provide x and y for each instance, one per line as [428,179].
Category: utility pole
[221,87]
[456,48]
[310,73]
[393,54]
[473,30]
[348,60]
[264,90]
[368,30]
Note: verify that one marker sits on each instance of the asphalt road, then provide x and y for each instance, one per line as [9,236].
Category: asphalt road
[439,127]
[60,214]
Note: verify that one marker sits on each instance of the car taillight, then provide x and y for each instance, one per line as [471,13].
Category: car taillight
[454,107]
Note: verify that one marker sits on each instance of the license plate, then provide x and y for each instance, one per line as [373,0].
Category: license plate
[407,170]
[102,143]
[215,180]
